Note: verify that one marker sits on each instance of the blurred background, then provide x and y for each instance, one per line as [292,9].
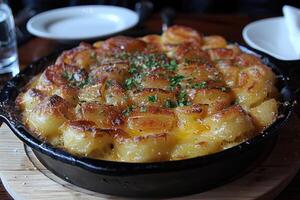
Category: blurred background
[246,7]
[226,17]
[254,9]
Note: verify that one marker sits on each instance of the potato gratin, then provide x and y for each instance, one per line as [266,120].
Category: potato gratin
[170,97]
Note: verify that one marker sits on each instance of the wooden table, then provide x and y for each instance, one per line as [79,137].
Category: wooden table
[230,26]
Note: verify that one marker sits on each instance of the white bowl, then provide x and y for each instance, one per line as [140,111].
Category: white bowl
[270,36]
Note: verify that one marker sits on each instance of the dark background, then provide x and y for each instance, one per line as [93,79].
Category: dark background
[247,7]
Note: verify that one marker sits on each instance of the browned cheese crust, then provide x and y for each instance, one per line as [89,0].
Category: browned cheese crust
[160,97]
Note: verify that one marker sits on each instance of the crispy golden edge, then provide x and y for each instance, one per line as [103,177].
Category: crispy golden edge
[183,43]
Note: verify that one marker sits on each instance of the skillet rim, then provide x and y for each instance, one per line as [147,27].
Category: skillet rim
[8,114]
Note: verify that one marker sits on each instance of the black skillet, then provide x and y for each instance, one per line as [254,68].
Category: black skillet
[158,179]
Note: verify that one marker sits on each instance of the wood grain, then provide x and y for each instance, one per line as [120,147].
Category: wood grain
[265,181]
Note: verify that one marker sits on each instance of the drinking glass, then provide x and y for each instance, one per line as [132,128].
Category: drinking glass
[8,45]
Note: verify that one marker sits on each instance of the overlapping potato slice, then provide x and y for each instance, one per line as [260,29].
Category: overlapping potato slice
[150,120]
[48,116]
[123,44]
[180,34]
[28,100]
[152,96]
[265,113]
[255,84]
[162,97]
[216,99]
[214,42]
[146,148]
[82,137]
[83,57]
[194,145]
[230,125]
[105,116]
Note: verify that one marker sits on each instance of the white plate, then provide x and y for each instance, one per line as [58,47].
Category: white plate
[270,36]
[81,22]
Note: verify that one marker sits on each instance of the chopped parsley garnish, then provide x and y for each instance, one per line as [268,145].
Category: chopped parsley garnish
[83,83]
[153,98]
[130,83]
[134,81]
[142,64]
[182,98]
[172,65]
[123,55]
[128,110]
[133,69]
[76,79]
[67,75]
[201,85]
[175,81]
[170,104]
[149,61]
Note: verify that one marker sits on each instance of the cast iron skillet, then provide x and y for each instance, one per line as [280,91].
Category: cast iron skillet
[157,179]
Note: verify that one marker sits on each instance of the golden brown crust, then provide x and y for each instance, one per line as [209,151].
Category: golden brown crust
[123,43]
[180,34]
[160,97]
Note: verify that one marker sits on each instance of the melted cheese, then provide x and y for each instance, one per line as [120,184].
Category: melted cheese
[170,97]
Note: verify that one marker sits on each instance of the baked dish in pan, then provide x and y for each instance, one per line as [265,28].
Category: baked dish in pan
[156,98]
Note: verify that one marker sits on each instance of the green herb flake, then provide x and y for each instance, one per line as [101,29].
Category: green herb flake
[128,110]
[175,81]
[133,69]
[129,83]
[201,85]
[83,83]
[123,55]
[182,99]
[172,65]
[67,75]
[70,77]
[153,98]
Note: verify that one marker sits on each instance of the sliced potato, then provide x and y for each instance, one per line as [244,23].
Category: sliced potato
[229,71]
[155,81]
[265,113]
[105,116]
[181,34]
[255,84]
[150,148]
[152,120]
[83,138]
[152,97]
[214,41]
[214,98]
[221,54]
[189,119]
[194,145]
[115,94]
[82,56]
[92,93]
[230,125]
[121,44]
[48,116]
[28,100]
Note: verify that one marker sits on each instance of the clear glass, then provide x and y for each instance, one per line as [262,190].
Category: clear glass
[8,45]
